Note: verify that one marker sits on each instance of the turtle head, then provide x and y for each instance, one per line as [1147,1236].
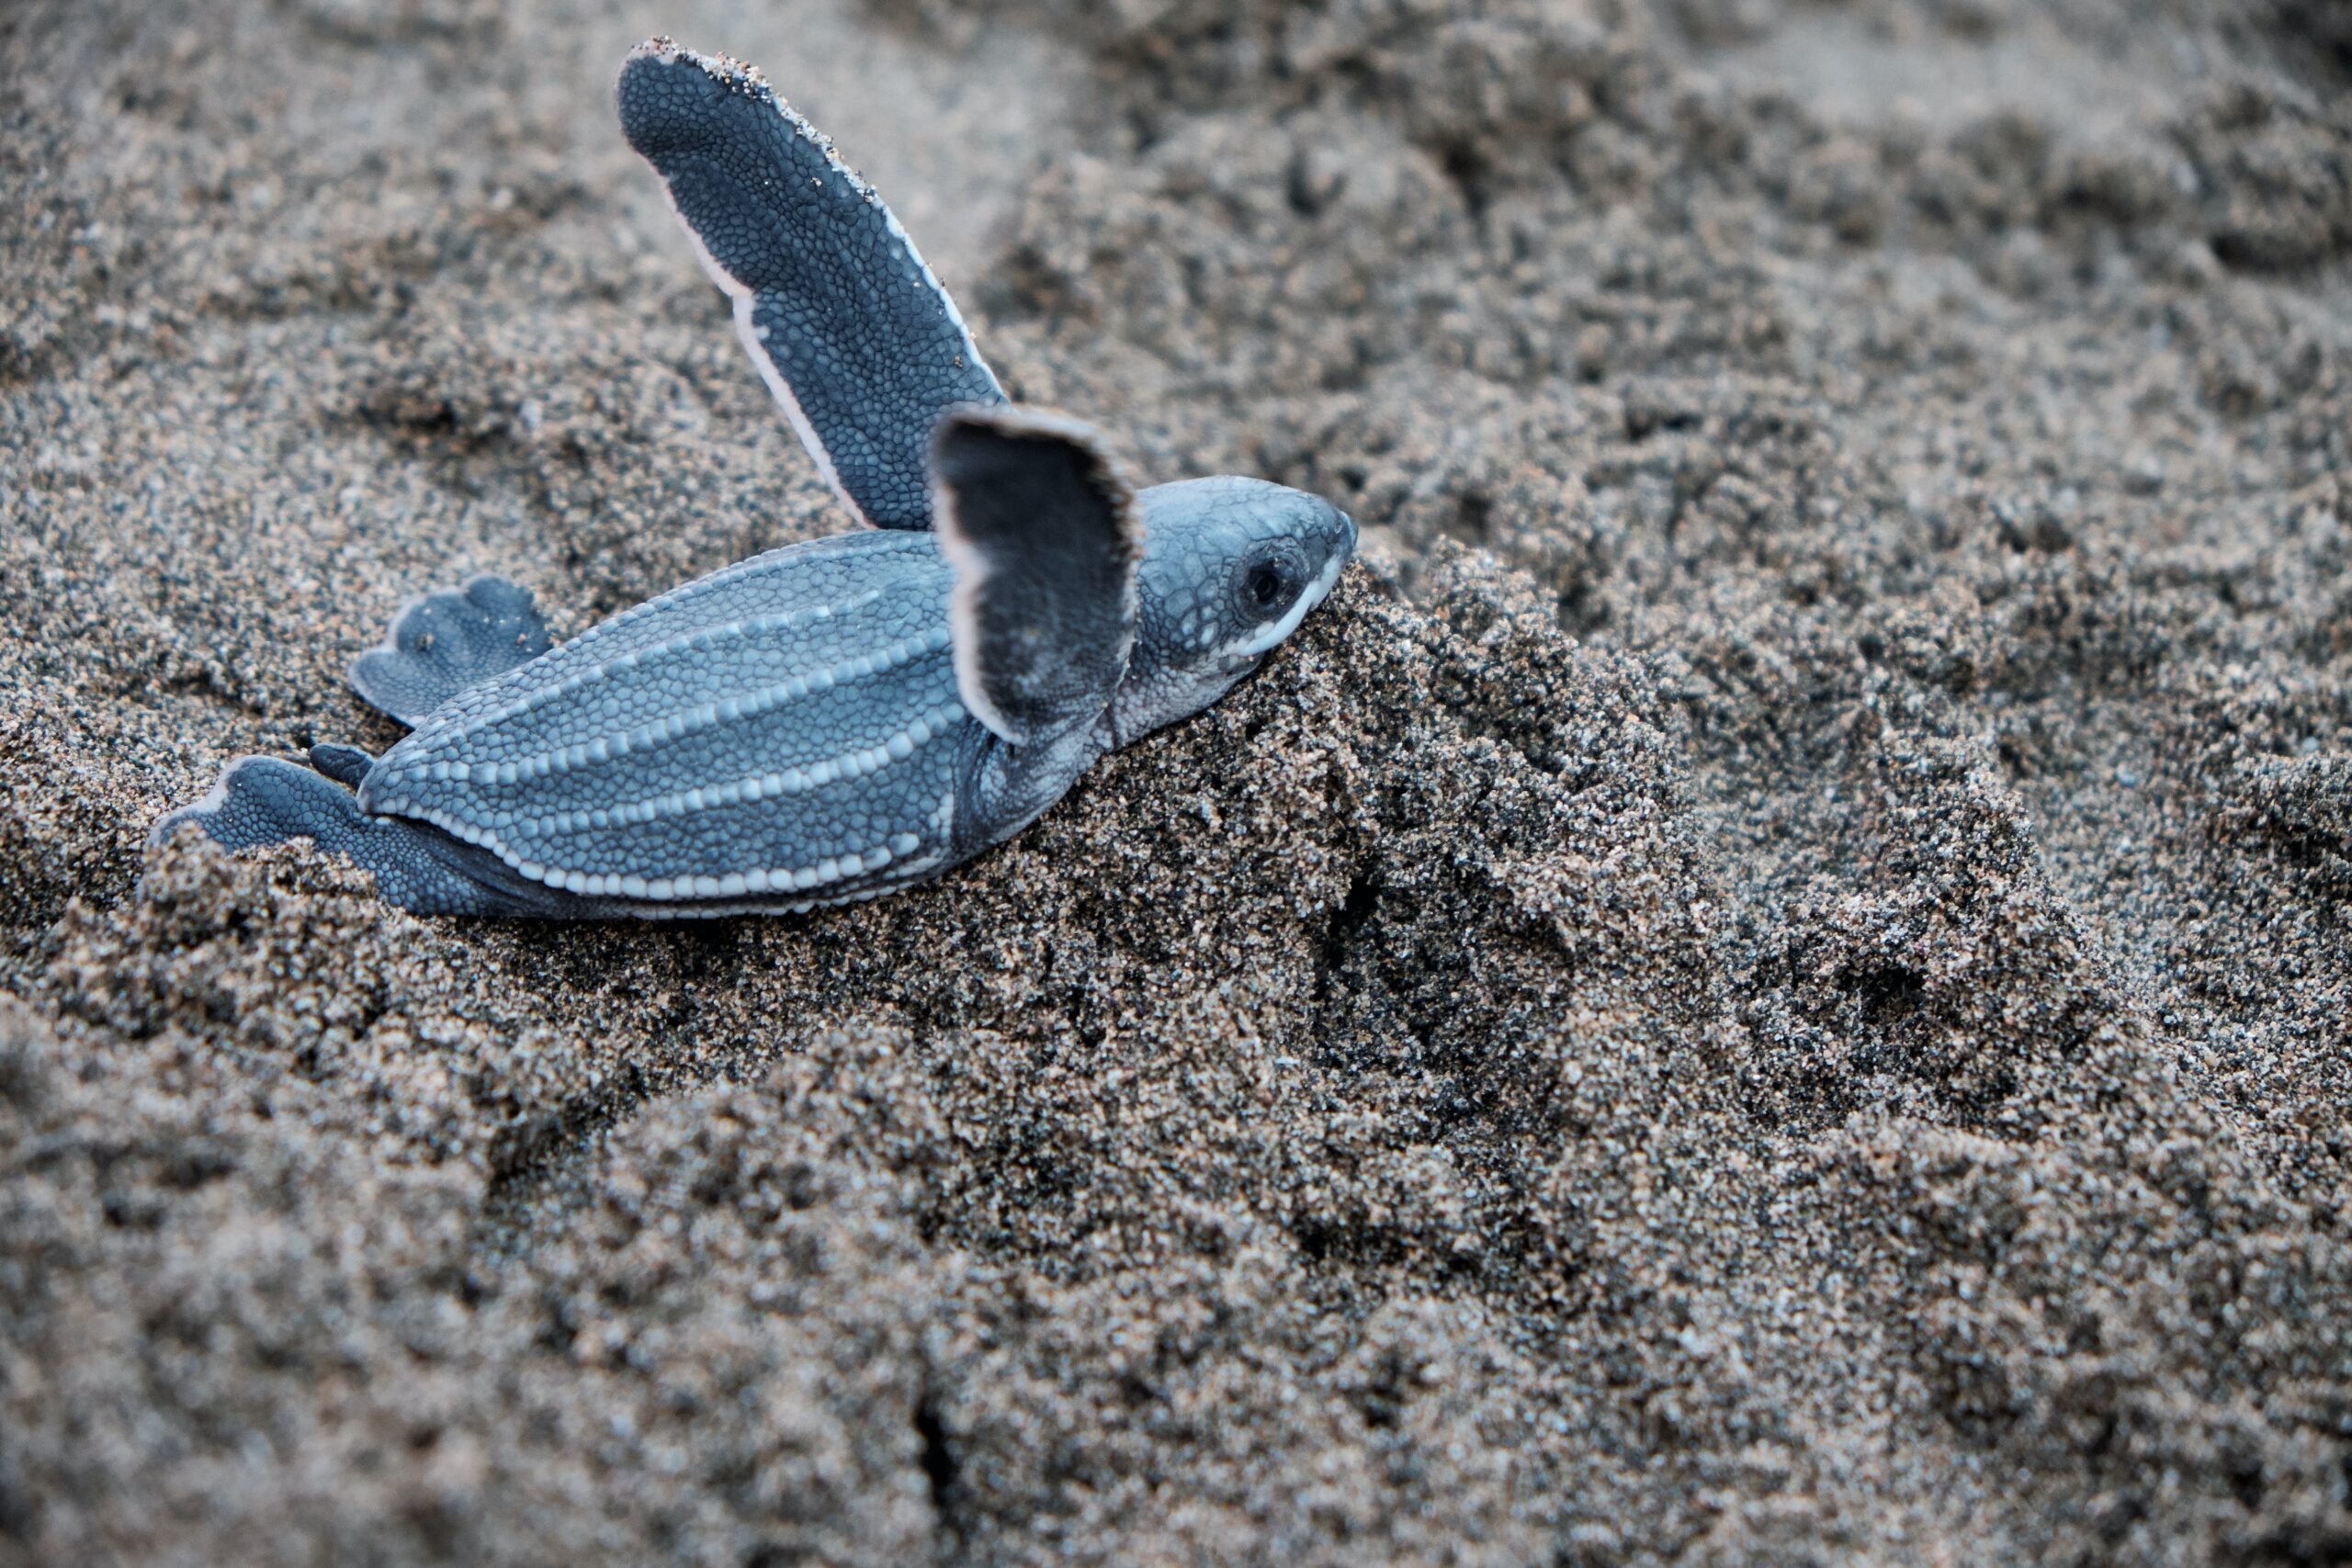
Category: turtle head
[1231,566]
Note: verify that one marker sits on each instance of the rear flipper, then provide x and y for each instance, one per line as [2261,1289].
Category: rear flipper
[347,765]
[263,800]
[448,641]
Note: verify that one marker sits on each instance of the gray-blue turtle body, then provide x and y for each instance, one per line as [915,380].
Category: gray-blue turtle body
[836,719]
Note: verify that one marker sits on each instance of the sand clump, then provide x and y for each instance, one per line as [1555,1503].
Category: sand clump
[1766,982]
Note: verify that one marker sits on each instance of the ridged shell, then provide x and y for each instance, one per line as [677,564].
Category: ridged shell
[789,724]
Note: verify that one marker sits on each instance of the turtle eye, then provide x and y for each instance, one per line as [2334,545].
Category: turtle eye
[1269,587]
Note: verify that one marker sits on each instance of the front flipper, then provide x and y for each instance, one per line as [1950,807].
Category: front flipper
[850,330]
[263,800]
[1044,536]
[448,641]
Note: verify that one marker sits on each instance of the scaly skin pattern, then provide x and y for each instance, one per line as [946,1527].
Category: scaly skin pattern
[788,733]
[1195,636]
[789,726]
[850,330]
[839,719]
[783,735]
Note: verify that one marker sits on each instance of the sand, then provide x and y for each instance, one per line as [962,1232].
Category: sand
[1766,982]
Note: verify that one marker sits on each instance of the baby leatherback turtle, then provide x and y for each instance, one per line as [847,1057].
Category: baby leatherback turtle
[836,719]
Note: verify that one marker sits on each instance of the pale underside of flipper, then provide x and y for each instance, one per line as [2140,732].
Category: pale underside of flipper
[859,342]
[1044,536]
[445,642]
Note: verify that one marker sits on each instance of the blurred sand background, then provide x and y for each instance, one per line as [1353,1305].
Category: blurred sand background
[1766,982]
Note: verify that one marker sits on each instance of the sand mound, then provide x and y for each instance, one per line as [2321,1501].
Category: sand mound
[1766,982]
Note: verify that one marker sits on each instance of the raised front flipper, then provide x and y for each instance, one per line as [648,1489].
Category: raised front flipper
[448,641]
[850,330]
[1045,535]
[263,800]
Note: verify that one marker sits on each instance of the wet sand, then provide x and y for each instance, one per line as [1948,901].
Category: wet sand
[1766,982]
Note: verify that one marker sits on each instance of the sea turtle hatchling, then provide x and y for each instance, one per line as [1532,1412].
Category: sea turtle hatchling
[832,720]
